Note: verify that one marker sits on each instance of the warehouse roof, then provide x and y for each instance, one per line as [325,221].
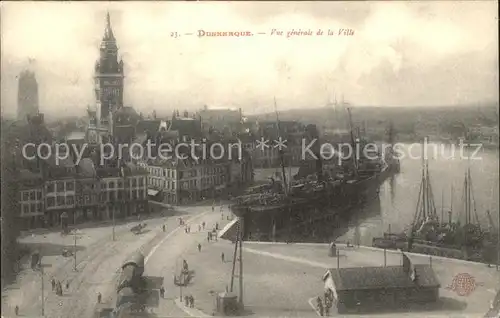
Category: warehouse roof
[382,277]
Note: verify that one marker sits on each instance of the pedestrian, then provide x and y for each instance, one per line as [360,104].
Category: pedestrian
[186,300]
[162,292]
[213,208]
[67,285]
[216,225]
[215,235]
[222,257]
[16,310]
[99,298]
[163,227]
[208,237]
[203,224]
[199,227]
[53,282]
[189,228]
[191,301]
[327,309]
[59,288]
[199,247]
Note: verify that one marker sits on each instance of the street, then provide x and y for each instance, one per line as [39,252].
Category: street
[279,279]
[98,260]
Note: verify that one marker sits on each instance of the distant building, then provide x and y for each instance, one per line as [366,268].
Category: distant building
[187,127]
[225,120]
[362,289]
[27,95]
[291,132]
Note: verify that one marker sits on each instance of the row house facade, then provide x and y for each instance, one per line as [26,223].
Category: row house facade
[87,192]
[59,190]
[123,191]
[184,181]
[30,198]
[65,193]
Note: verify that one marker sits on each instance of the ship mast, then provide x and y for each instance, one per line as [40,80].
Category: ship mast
[353,143]
[426,209]
[280,150]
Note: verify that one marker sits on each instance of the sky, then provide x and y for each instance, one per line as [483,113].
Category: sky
[401,54]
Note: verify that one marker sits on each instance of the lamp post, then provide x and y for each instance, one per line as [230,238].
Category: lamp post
[113,216]
[74,250]
[43,297]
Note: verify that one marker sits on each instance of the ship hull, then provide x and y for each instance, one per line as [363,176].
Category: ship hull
[312,217]
[485,254]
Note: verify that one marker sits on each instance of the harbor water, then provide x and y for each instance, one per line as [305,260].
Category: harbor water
[395,209]
[399,194]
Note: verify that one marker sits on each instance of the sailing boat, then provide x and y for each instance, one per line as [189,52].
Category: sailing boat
[426,227]
[472,233]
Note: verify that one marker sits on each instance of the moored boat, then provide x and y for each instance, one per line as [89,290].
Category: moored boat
[429,234]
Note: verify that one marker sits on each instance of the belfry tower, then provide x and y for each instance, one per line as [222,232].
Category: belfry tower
[108,78]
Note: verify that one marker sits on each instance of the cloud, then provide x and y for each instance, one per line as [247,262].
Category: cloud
[400,54]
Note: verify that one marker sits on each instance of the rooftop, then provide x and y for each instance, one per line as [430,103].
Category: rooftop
[86,168]
[356,278]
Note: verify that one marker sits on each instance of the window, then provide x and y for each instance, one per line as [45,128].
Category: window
[50,187]
[25,196]
[120,184]
[141,182]
[60,187]
[141,194]
[51,202]
[70,186]
[26,208]
[87,199]
[111,184]
[39,195]
[33,208]
[32,196]
[112,196]
[60,200]
[39,207]
[134,183]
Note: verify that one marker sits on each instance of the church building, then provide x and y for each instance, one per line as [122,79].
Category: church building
[108,88]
